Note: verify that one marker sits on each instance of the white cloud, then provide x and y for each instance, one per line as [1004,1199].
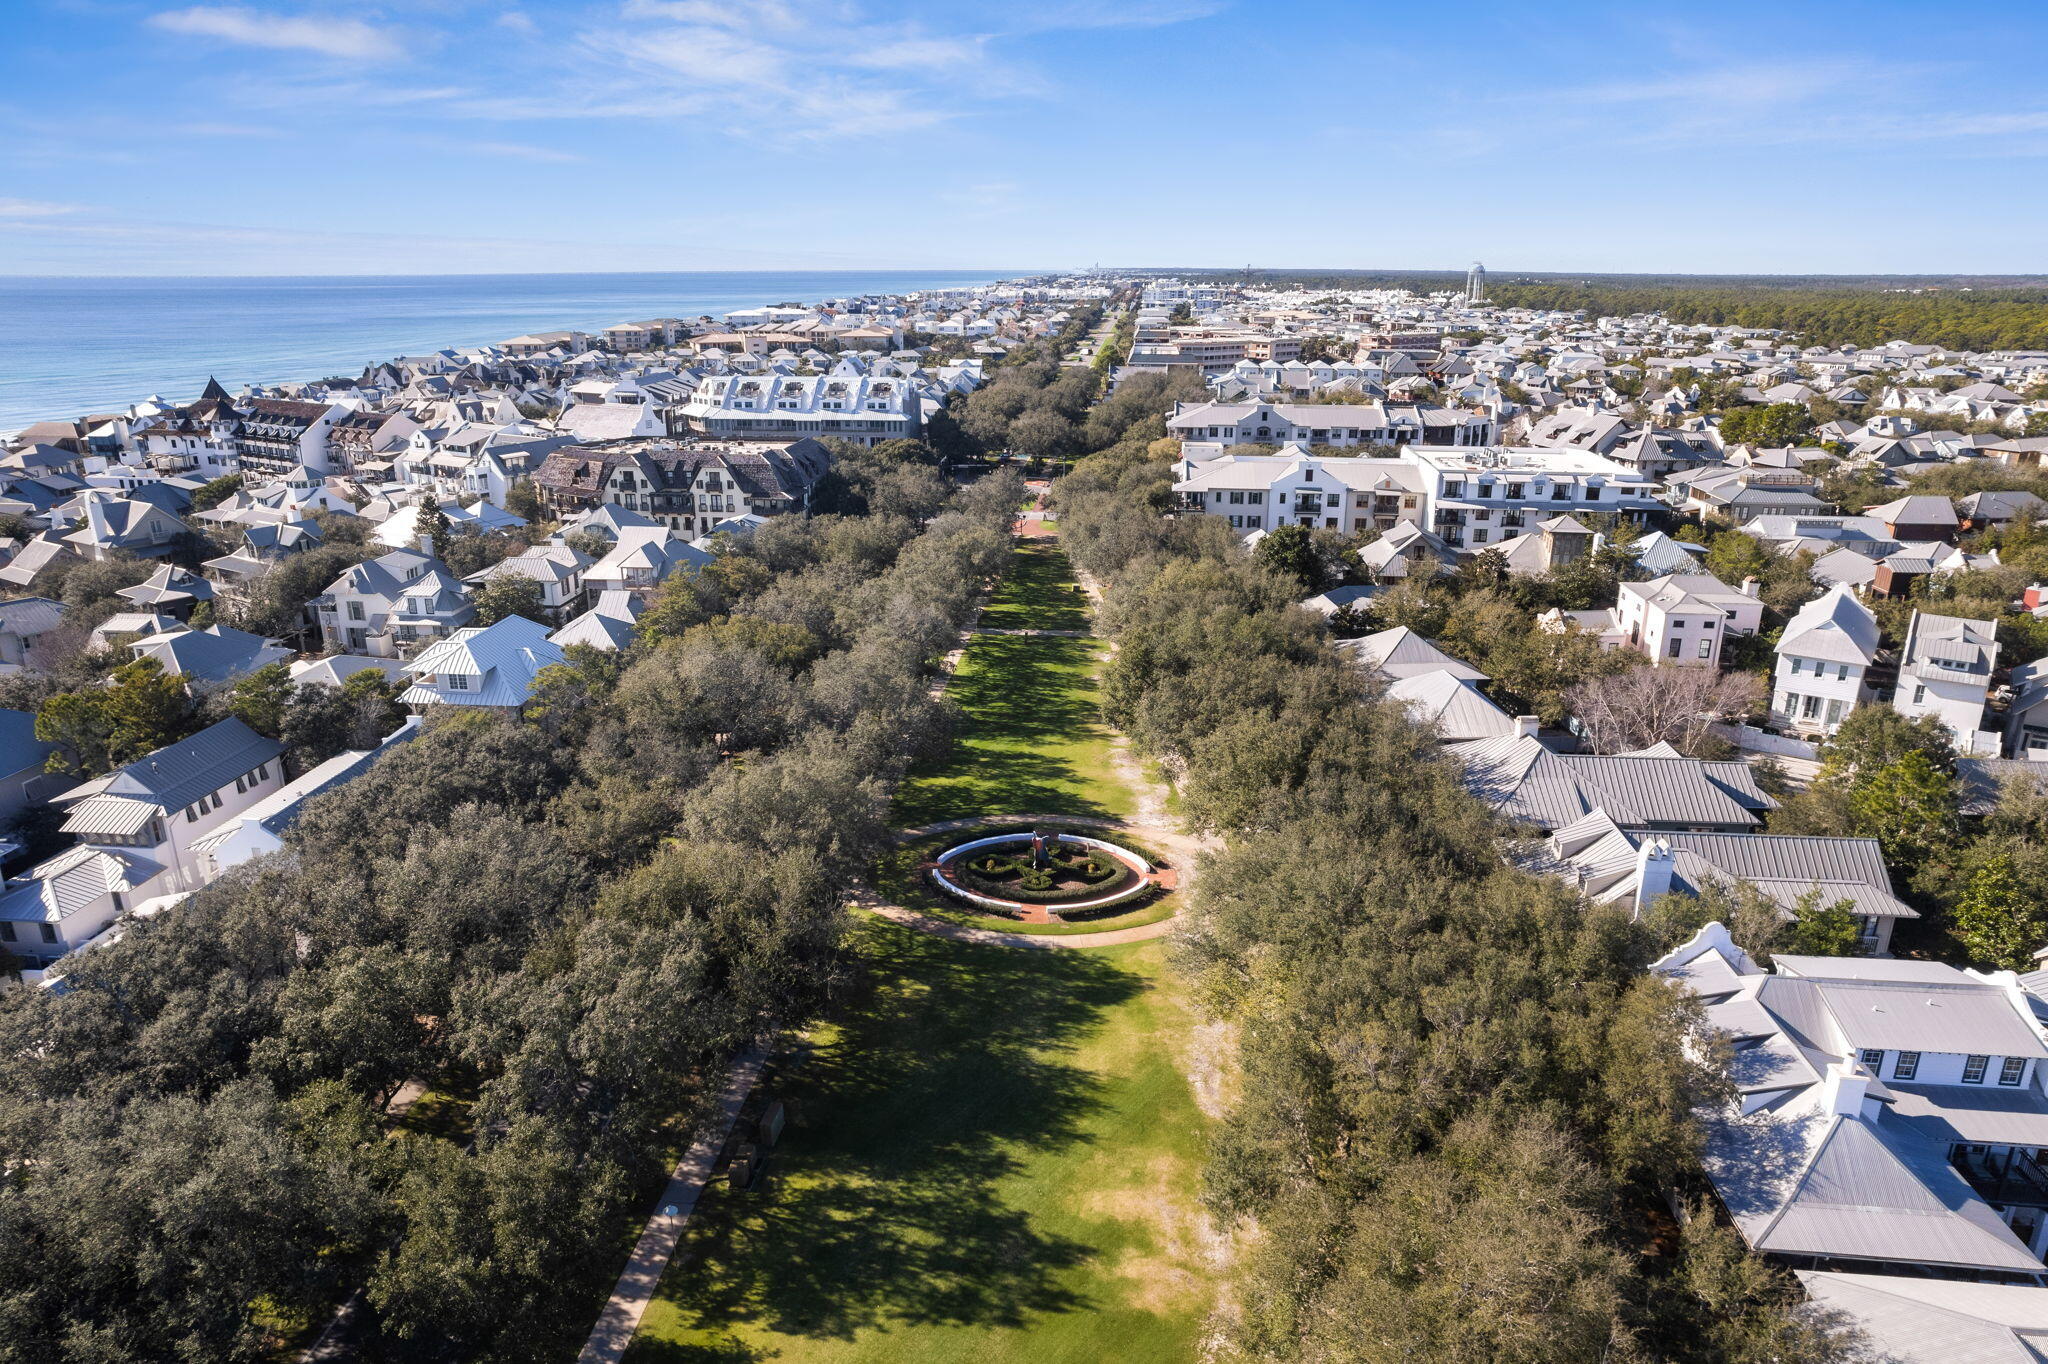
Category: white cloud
[344,38]
[523,152]
[33,208]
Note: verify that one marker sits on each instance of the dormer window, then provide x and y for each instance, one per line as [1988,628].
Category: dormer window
[458,681]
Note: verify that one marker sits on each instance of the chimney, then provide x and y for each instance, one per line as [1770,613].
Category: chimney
[1526,726]
[96,515]
[1845,1092]
[1751,586]
[2034,596]
[1654,865]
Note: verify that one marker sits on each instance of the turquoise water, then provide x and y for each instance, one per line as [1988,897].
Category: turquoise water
[69,346]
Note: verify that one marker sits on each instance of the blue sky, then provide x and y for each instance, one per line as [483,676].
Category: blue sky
[453,136]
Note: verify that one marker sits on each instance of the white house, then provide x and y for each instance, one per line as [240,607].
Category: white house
[642,559]
[1824,661]
[259,829]
[383,602]
[1888,1116]
[1945,670]
[1681,618]
[558,569]
[492,665]
[136,830]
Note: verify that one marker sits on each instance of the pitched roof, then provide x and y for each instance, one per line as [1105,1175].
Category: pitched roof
[1523,780]
[1914,1320]
[177,774]
[1400,652]
[1834,627]
[501,659]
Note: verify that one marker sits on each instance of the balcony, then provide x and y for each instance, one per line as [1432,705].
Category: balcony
[2006,1178]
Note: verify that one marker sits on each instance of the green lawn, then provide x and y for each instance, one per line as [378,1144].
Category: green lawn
[995,1161]
[1033,741]
[1037,593]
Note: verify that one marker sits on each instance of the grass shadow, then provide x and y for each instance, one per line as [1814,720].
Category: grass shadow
[885,1209]
[1037,593]
[1033,739]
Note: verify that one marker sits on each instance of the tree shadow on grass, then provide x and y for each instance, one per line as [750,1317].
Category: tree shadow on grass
[1038,593]
[1030,705]
[883,1210]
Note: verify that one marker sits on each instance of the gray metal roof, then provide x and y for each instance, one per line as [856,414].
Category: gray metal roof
[1854,1015]
[2011,1116]
[1524,780]
[1400,652]
[1854,1188]
[1911,1320]
[178,774]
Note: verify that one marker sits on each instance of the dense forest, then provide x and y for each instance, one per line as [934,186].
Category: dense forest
[1985,319]
[1465,1127]
[562,922]
[1973,312]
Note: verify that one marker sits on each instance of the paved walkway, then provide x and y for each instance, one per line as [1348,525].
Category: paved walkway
[621,1316]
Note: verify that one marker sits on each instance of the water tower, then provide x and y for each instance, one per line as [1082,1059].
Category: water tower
[1475,283]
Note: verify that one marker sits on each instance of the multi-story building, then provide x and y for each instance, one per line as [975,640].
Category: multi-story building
[687,485]
[1887,1117]
[1210,349]
[1681,618]
[384,605]
[1206,430]
[1478,497]
[136,830]
[1824,662]
[781,407]
[1945,670]
[277,435]
[1264,492]
[1470,499]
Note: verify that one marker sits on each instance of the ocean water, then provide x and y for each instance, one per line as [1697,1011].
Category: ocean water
[71,345]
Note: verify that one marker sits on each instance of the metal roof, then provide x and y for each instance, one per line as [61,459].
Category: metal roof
[1938,1321]
[1973,1019]
[178,774]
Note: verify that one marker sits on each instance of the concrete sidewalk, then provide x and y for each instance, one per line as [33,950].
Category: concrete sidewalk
[621,1315]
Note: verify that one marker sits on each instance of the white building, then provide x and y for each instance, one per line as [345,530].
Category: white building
[383,605]
[1206,430]
[1945,670]
[260,828]
[1824,661]
[1888,1116]
[492,665]
[785,407]
[1294,488]
[137,832]
[1478,497]
[1681,618]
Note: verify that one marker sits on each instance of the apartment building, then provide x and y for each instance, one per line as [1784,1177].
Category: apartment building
[1206,430]
[1479,497]
[777,407]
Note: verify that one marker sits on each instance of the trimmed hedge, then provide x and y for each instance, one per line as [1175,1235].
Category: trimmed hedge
[1104,874]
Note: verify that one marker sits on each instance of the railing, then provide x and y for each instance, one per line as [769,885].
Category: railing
[2005,1177]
